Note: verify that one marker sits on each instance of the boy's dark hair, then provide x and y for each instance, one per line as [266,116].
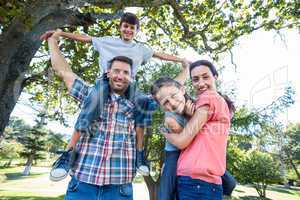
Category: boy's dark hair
[122,59]
[214,72]
[130,18]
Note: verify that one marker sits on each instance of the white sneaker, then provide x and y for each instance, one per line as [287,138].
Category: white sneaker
[143,170]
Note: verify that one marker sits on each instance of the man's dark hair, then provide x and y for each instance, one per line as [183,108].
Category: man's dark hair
[130,18]
[122,59]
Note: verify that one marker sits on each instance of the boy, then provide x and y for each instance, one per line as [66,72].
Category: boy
[109,47]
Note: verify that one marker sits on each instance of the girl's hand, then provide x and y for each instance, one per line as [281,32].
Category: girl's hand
[185,63]
[189,108]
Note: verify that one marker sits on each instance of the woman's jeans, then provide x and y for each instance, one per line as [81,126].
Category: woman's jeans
[196,189]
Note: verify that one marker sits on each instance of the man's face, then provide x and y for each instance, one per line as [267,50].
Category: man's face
[128,31]
[119,76]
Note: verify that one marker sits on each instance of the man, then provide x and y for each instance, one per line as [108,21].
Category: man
[105,166]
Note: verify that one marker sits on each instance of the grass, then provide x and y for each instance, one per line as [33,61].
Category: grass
[37,186]
[8,195]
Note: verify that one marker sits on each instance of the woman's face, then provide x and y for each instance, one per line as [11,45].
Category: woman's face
[203,79]
[171,98]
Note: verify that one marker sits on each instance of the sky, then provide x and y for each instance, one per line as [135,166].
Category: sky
[265,62]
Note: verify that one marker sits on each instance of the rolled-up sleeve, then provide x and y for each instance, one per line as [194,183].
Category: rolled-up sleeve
[80,90]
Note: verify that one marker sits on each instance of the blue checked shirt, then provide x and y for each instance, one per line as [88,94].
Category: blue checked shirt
[108,157]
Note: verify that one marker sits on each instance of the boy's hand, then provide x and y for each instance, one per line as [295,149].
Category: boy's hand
[47,35]
[50,33]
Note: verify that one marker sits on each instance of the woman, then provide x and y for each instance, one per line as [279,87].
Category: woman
[202,160]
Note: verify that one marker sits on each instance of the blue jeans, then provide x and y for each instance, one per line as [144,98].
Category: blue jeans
[196,189]
[78,190]
[228,183]
[168,180]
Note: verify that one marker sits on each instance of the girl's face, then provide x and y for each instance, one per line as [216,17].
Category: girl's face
[171,98]
[203,79]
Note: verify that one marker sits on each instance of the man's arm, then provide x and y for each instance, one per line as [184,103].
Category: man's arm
[59,63]
[192,128]
[73,36]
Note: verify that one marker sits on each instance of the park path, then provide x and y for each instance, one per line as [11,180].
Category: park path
[43,186]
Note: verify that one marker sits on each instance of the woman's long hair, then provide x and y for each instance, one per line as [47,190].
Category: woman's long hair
[214,72]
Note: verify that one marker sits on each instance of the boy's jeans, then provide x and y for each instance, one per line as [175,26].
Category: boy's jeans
[168,180]
[191,189]
[78,190]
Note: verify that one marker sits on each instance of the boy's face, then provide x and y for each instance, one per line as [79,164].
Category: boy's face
[128,31]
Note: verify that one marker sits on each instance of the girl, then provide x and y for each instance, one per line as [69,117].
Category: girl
[203,141]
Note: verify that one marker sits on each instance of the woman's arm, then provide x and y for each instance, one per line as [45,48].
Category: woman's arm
[192,128]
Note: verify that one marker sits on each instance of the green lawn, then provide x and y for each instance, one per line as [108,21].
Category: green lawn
[37,186]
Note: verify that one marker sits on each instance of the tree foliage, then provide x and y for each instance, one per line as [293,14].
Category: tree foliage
[260,169]
[207,26]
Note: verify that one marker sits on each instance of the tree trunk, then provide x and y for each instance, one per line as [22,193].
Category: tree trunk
[28,165]
[20,42]
[152,187]
[295,168]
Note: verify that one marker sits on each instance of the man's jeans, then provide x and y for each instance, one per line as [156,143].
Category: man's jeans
[78,190]
[168,179]
[192,189]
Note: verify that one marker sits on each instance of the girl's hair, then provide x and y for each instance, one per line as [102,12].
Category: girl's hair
[130,18]
[163,81]
[166,81]
[214,72]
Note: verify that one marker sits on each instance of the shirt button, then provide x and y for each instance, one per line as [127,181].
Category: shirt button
[198,186]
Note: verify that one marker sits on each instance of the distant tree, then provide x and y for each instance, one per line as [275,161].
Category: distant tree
[261,170]
[291,146]
[55,142]
[9,150]
[34,146]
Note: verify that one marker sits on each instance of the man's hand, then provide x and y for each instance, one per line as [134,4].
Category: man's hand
[56,33]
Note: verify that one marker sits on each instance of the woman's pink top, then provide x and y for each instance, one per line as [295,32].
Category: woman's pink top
[205,157]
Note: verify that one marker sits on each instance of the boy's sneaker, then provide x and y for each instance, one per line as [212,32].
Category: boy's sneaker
[62,165]
[141,166]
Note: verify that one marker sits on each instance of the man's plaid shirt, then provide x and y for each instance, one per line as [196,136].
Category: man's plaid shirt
[107,157]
